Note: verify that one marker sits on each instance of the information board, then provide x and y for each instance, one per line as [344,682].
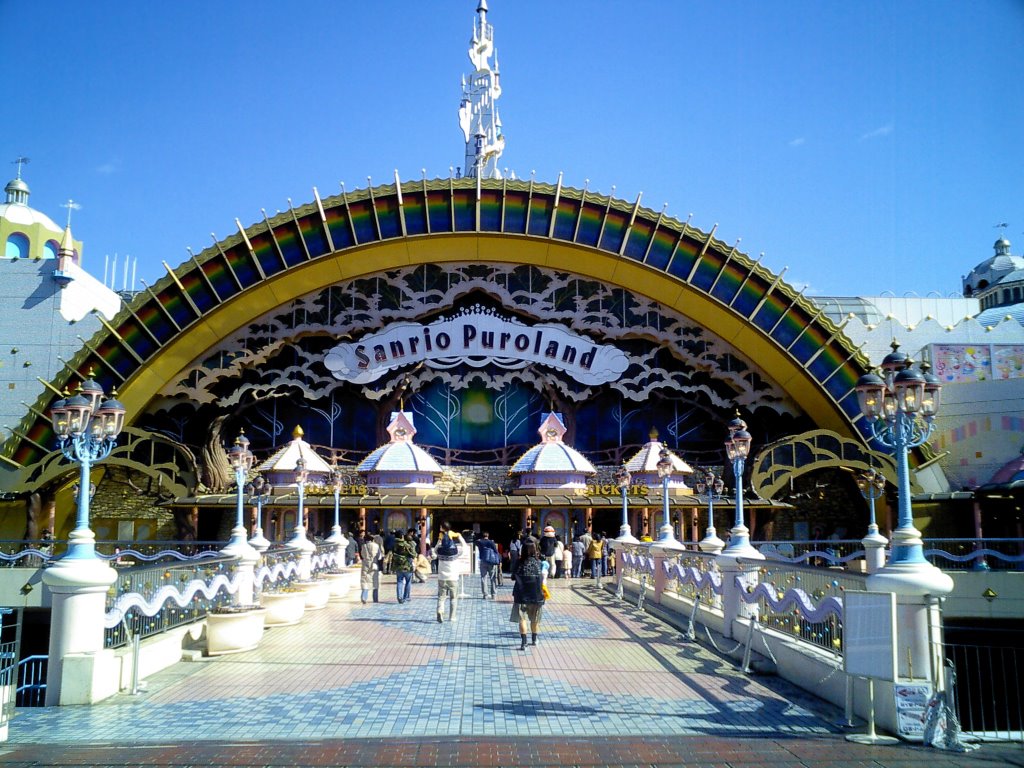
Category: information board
[869,634]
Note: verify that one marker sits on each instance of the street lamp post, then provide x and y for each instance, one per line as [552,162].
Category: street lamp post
[666,534]
[337,482]
[871,485]
[240,458]
[737,448]
[622,480]
[261,490]
[900,406]
[298,539]
[713,485]
[86,432]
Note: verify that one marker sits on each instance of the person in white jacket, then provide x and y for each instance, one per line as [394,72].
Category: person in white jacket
[449,568]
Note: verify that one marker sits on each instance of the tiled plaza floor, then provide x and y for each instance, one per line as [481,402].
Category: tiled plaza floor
[385,684]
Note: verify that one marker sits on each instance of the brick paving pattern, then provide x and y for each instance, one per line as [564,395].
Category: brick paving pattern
[385,684]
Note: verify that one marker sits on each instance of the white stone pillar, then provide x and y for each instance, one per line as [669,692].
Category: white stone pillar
[733,606]
[80,670]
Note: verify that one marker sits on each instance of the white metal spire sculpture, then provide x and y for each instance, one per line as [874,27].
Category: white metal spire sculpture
[478,112]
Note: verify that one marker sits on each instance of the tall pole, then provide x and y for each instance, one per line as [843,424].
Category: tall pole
[901,408]
[623,479]
[711,484]
[240,458]
[737,448]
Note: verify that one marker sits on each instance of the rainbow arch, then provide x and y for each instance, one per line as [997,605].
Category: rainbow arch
[353,234]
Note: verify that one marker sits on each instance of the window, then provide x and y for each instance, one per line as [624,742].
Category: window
[17,246]
[50,249]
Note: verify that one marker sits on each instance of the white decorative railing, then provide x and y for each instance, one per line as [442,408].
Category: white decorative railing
[148,601]
[698,578]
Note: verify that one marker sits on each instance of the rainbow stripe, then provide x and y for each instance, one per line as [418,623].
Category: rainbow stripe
[415,213]
[565,219]
[684,258]
[661,249]
[312,234]
[440,212]
[590,225]
[362,220]
[388,218]
[490,210]
[639,239]
[541,208]
[288,241]
[337,223]
[728,281]
[614,231]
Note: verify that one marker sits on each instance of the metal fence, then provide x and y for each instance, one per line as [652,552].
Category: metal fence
[31,690]
[148,580]
[989,697]
[817,584]
[975,554]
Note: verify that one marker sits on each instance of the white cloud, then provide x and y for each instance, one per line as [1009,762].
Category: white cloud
[797,142]
[879,132]
[108,168]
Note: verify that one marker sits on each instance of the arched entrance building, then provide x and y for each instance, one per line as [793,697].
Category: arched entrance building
[475,304]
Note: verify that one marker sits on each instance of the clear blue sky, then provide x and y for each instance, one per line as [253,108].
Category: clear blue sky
[870,146]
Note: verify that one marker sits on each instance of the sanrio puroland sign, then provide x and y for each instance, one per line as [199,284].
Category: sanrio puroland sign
[477,338]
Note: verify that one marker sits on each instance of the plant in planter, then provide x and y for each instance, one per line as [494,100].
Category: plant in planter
[234,628]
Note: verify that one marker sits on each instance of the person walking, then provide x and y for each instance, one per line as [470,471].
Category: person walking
[606,550]
[578,553]
[586,538]
[547,547]
[514,551]
[594,555]
[401,561]
[448,552]
[567,561]
[490,561]
[369,568]
[527,594]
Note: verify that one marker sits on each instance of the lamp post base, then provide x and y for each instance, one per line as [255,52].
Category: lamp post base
[711,543]
[910,579]
[626,535]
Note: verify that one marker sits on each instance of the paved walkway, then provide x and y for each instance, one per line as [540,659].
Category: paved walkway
[385,684]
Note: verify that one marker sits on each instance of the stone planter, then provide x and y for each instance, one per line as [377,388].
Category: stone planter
[340,583]
[234,632]
[316,593]
[283,608]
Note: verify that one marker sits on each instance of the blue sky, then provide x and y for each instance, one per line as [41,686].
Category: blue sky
[869,146]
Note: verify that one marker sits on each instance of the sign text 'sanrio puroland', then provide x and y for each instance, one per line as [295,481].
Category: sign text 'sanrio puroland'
[477,338]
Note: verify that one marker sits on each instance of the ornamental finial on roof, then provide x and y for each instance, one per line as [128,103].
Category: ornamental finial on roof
[297,433]
[478,113]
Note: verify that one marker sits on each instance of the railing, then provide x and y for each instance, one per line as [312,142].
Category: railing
[694,575]
[975,554]
[804,602]
[989,698]
[158,589]
[31,691]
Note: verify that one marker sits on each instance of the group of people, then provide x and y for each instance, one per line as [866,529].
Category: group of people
[588,554]
[530,570]
[404,560]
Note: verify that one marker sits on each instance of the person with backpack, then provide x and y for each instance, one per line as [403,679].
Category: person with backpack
[514,550]
[528,593]
[447,552]
[402,560]
[490,561]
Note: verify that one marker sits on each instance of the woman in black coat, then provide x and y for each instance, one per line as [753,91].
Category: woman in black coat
[527,594]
